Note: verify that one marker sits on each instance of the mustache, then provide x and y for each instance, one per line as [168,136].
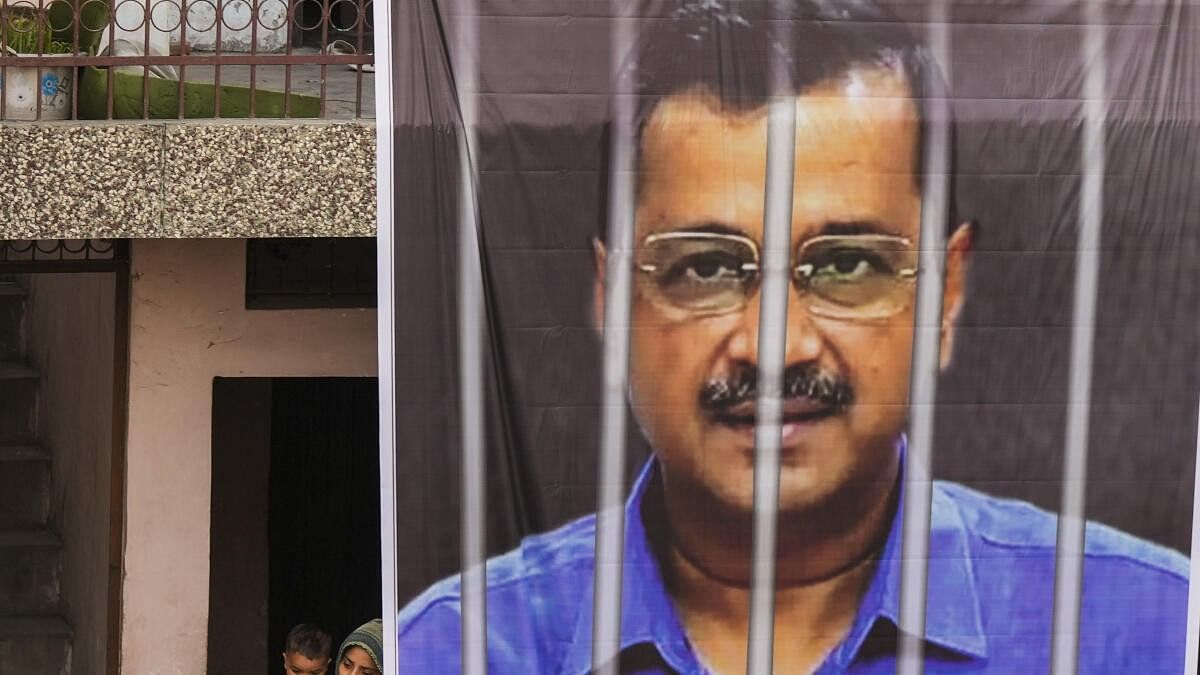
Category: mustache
[807,381]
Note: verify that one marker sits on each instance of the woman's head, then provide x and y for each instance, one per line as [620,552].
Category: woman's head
[362,651]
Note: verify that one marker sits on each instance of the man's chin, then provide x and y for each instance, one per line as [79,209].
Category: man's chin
[802,441]
[802,484]
[810,463]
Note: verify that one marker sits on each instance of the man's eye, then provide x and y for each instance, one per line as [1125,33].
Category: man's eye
[849,265]
[705,268]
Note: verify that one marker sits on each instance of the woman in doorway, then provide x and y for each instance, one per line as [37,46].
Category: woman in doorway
[362,651]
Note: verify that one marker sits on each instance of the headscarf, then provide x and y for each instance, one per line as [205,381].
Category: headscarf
[369,636]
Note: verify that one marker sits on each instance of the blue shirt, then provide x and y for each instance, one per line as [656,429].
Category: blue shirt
[990,598]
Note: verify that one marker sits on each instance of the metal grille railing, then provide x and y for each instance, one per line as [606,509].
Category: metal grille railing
[185,59]
[609,538]
[308,273]
[62,255]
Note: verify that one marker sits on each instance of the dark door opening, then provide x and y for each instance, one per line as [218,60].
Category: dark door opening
[295,514]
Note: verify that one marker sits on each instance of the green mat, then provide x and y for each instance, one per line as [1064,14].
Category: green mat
[198,99]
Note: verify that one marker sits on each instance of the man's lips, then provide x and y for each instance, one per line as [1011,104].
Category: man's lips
[795,411]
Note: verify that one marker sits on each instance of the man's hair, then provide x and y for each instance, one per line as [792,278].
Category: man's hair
[726,49]
[309,640]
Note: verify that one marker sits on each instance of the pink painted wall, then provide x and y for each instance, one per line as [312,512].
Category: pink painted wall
[189,325]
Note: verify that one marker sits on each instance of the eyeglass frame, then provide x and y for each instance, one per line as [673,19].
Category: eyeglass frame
[907,274]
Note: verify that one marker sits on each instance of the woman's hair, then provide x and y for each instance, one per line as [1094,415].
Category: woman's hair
[369,637]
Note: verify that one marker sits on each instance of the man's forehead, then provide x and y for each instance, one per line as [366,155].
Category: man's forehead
[855,160]
[858,106]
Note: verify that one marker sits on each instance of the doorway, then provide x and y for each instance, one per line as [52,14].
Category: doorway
[295,514]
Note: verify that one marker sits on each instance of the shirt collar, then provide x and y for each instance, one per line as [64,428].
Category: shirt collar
[953,619]
[647,612]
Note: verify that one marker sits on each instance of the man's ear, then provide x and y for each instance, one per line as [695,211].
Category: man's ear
[958,249]
[600,257]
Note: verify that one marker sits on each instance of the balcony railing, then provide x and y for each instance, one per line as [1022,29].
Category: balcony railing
[185,59]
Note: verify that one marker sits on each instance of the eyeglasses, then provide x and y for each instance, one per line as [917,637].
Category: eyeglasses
[863,276]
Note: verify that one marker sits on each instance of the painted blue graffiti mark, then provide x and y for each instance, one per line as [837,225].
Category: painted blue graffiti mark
[49,84]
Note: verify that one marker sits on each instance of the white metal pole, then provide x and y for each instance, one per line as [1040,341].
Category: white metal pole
[1193,616]
[918,480]
[1068,570]
[385,328]
[610,522]
[471,340]
[772,347]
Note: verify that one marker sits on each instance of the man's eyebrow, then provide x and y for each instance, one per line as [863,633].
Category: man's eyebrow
[710,227]
[853,227]
[828,228]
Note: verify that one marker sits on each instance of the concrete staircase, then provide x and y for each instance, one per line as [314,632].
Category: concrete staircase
[34,639]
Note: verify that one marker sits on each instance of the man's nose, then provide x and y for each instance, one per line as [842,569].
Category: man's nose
[803,339]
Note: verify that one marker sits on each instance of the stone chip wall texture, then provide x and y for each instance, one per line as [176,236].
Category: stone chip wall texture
[193,179]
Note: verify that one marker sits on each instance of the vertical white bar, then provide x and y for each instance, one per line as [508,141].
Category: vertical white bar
[1068,570]
[385,335]
[918,481]
[471,338]
[772,353]
[610,517]
[772,342]
[1192,656]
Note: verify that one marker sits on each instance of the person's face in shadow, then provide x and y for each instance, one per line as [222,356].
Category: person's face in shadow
[295,663]
[357,661]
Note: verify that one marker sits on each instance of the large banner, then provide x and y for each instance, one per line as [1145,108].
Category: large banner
[736,275]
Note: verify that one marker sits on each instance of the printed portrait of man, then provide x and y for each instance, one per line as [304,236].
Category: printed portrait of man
[858,81]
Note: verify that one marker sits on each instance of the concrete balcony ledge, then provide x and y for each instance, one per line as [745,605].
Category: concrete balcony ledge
[193,179]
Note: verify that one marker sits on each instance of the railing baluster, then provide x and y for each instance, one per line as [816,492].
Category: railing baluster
[145,68]
[78,12]
[4,19]
[41,47]
[254,19]
[183,50]
[220,14]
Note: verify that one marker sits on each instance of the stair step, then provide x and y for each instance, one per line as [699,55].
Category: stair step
[23,453]
[29,538]
[38,644]
[33,626]
[30,571]
[16,371]
[11,289]
[24,487]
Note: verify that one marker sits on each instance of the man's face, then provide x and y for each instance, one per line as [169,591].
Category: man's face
[295,663]
[700,167]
